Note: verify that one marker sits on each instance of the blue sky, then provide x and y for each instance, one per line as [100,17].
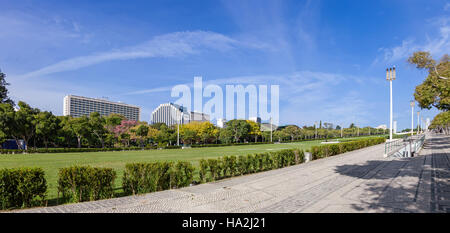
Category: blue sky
[329,57]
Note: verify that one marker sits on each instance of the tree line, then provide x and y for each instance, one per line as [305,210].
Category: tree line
[43,129]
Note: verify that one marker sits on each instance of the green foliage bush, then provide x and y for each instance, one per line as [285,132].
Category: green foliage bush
[156,176]
[323,151]
[85,183]
[182,174]
[22,187]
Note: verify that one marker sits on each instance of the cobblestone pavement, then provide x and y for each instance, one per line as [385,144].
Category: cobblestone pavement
[358,181]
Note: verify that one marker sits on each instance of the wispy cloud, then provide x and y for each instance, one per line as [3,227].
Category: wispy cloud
[436,45]
[168,45]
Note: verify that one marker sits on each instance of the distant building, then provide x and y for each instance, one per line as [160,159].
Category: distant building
[200,117]
[77,106]
[221,122]
[267,127]
[255,119]
[170,114]
[381,127]
[395,127]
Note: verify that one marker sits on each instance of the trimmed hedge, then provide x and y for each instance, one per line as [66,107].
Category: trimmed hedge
[229,166]
[323,151]
[22,187]
[156,176]
[85,183]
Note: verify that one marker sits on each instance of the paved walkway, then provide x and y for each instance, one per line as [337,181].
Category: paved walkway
[358,181]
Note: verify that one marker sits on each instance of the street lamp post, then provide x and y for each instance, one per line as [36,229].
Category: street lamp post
[315,127]
[418,122]
[178,130]
[270,129]
[390,75]
[412,116]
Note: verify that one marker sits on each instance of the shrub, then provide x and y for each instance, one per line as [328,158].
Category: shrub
[146,177]
[83,183]
[203,172]
[242,165]
[182,174]
[22,187]
[323,151]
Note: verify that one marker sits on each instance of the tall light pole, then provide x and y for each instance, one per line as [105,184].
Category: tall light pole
[418,122]
[178,131]
[412,116]
[315,127]
[270,129]
[422,124]
[390,75]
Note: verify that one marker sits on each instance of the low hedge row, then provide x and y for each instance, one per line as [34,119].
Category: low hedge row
[22,187]
[156,176]
[85,183]
[327,150]
[228,166]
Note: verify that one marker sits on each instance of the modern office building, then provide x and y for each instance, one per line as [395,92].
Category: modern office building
[170,114]
[77,106]
[200,117]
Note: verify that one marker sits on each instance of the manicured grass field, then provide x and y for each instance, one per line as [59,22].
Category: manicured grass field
[51,162]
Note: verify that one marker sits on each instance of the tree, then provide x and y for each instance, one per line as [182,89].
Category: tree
[24,123]
[47,126]
[255,130]
[4,91]
[293,131]
[238,128]
[79,127]
[441,122]
[97,127]
[6,121]
[142,132]
[435,89]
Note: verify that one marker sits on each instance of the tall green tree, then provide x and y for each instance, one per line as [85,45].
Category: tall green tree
[435,89]
[97,127]
[3,90]
[47,126]
[142,132]
[6,121]
[25,123]
[240,129]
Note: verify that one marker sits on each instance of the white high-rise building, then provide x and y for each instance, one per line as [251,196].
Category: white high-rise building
[170,114]
[395,127]
[77,106]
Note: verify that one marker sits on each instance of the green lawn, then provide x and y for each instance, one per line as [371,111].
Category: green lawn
[51,162]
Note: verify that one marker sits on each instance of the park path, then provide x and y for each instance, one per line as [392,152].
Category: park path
[358,181]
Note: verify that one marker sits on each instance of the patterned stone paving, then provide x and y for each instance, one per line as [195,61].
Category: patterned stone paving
[358,181]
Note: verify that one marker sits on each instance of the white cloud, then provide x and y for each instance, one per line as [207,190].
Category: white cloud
[437,45]
[168,45]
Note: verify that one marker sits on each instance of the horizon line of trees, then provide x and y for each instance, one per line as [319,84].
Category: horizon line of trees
[43,129]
